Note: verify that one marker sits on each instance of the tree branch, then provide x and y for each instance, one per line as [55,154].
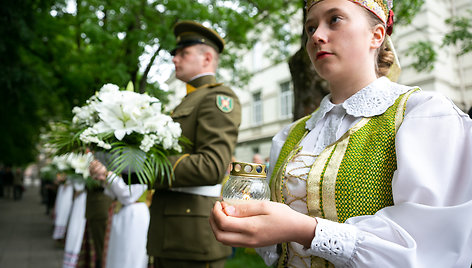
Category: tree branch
[143,81]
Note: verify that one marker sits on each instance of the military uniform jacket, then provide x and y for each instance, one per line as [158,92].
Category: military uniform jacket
[179,229]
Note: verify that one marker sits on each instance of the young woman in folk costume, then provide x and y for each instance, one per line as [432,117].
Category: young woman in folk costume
[76,225]
[62,207]
[379,176]
[125,246]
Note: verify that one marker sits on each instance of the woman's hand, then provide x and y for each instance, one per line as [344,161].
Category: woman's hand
[98,171]
[260,223]
[60,177]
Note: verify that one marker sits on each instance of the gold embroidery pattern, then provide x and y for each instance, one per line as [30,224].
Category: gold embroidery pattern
[379,7]
[296,176]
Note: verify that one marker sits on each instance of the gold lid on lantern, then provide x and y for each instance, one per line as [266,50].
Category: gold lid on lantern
[248,169]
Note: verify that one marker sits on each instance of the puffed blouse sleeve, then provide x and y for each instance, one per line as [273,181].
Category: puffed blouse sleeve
[430,223]
[126,194]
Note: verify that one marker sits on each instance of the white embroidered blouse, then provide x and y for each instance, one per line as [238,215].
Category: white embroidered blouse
[430,223]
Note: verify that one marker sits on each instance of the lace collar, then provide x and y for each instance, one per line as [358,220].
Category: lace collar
[370,101]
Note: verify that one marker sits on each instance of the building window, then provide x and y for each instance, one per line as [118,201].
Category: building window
[257,108]
[286,99]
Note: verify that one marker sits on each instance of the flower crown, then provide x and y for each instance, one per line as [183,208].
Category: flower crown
[381,8]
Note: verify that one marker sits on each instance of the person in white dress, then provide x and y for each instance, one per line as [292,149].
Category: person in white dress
[130,221]
[76,227]
[379,176]
[62,208]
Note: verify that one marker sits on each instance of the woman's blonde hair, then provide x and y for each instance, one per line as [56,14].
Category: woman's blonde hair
[384,55]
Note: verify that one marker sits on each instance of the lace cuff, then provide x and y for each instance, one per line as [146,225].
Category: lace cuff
[268,254]
[334,242]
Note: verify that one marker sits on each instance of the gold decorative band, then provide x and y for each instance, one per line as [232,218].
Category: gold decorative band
[180,159]
[378,7]
[248,169]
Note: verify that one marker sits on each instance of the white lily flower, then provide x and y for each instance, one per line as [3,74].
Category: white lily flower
[80,163]
[124,113]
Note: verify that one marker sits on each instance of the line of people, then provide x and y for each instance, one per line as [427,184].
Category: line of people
[378,176]
[11,182]
[112,221]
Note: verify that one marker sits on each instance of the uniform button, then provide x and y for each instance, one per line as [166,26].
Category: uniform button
[188,210]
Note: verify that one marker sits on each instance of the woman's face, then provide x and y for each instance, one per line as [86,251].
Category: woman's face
[339,39]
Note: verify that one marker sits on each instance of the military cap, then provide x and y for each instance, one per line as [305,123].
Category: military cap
[189,33]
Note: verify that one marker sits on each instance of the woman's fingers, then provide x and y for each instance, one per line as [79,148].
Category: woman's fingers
[224,222]
[249,208]
[231,230]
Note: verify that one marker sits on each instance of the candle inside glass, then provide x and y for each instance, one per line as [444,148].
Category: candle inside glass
[247,182]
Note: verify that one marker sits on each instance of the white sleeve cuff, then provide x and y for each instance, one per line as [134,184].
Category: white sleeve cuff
[334,242]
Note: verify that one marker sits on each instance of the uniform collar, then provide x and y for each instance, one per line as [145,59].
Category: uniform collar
[370,101]
[202,80]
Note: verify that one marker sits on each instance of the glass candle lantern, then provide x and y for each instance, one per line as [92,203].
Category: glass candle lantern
[247,181]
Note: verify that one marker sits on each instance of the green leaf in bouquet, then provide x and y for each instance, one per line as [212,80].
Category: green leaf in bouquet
[147,166]
[162,167]
[106,136]
[72,176]
[126,158]
[130,86]
[184,141]
[64,138]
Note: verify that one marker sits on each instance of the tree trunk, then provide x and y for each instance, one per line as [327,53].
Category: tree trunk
[308,87]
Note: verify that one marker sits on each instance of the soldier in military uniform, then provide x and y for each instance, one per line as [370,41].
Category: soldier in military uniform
[96,213]
[210,114]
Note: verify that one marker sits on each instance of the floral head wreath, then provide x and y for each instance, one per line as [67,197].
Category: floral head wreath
[381,8]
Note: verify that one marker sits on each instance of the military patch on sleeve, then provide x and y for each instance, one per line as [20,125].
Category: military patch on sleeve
[224,103]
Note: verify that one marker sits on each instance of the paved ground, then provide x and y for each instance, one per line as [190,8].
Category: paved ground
[26,233]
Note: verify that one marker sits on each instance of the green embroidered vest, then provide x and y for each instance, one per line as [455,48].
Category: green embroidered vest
[350,177]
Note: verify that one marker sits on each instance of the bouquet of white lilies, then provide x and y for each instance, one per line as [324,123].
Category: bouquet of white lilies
[73,163]
[130,127]
[126,113]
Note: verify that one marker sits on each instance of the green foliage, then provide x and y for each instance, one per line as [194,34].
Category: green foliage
[128,159]
[63,137]
[53,60]
[461,33]
[405,11]
[23,92]
[245,257]
[425,54]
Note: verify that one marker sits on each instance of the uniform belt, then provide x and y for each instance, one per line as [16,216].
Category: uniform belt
[211,191]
